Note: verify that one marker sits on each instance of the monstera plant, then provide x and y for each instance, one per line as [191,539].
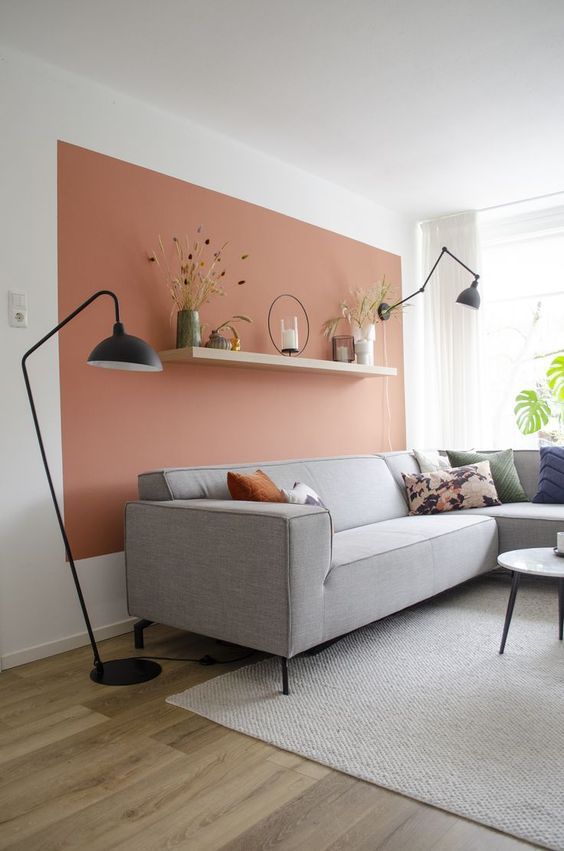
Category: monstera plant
[534,408]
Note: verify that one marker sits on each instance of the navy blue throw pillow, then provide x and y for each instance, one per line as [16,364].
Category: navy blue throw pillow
[551,475]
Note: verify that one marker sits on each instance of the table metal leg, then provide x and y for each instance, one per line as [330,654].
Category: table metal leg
[560,607]
[510,607]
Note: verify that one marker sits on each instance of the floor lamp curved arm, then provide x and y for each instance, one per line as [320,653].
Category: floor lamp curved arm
[120,351]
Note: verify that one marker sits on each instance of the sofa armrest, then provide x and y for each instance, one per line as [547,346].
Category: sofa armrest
[246,572]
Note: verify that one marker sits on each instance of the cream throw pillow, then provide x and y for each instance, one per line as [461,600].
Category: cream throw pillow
[430,460]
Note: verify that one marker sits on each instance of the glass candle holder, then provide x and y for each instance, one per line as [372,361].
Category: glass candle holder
[343,349]
[289,335]
[289,344]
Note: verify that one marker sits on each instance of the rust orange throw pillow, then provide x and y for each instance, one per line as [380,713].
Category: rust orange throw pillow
[257,487]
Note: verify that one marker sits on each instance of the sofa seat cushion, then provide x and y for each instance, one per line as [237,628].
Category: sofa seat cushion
[384,567]
[524,524]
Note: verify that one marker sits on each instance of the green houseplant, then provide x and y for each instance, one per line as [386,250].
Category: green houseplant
[535,408]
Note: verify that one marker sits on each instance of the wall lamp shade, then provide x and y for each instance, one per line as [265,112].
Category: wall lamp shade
[470,297]
[123,351]
[120,351]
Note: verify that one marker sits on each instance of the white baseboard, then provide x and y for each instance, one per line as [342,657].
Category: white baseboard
[51,648]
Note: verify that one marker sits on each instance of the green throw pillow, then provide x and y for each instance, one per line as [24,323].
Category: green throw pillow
[504,473]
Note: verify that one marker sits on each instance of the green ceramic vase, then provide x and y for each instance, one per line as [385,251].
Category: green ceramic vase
[188,329]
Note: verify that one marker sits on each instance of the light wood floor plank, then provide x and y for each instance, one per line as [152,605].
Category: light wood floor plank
[9,679]
[70,786]
[469,836]
[99,768]
[299,764]
[185,796]
[386,816]
[215,816]
[313,819]
[53,728]
[425,827]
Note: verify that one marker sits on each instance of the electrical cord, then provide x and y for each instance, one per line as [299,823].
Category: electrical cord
[203,660]
[387,390]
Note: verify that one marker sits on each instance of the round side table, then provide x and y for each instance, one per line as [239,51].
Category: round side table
[538,561]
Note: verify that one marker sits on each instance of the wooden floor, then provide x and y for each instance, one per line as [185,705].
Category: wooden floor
[85,766]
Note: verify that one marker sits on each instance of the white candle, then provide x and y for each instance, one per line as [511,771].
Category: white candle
[343,353]
[362,348]
[560,542]
[289,339]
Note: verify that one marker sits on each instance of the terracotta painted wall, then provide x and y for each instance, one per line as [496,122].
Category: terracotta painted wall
[117,424]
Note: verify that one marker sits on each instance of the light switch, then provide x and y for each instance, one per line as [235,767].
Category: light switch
[17,310]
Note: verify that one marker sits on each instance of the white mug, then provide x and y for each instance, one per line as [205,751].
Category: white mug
[560,542]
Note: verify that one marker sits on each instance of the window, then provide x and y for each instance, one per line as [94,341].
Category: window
[522,288]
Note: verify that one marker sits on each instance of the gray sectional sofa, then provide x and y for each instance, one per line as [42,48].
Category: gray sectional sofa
[277,578]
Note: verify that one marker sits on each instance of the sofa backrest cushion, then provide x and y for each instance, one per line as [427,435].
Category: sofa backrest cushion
[399,463]
[526,463]
[357,489]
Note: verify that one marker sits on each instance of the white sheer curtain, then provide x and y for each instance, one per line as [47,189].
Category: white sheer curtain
[522,306]
[452,397]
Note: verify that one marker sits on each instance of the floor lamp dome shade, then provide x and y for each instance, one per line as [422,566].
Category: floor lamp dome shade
[120,351]
[470,297]
[123,351]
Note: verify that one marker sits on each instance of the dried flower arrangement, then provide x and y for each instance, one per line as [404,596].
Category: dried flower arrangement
[195,274]
[361,309]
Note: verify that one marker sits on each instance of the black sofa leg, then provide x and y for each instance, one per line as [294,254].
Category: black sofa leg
[138,633]
[285,689]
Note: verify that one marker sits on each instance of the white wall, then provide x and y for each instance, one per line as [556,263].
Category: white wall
[40,104]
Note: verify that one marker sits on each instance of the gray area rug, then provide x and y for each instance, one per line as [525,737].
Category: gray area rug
[423,704]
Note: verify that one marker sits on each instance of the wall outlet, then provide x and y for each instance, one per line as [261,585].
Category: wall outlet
[17,310]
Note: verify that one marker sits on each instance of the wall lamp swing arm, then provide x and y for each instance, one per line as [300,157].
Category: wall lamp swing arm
[119,351]
[468,297]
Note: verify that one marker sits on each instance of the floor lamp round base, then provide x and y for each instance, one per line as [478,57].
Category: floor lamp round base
[125,672]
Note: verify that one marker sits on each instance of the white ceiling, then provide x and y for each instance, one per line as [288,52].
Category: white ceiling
[425,107]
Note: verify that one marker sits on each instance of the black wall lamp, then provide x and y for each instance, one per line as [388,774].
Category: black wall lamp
[470,297]
[120,351]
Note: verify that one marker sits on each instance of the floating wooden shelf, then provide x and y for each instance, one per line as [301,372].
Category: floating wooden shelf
[256,360]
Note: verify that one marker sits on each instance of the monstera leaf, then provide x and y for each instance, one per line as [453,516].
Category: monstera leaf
[555,375]
[531,412]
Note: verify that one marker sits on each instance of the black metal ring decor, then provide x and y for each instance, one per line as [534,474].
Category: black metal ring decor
[281,351]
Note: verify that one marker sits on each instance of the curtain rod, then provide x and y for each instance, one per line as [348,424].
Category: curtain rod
[493,207]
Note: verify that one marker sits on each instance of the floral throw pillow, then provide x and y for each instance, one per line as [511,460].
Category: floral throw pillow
[471,486]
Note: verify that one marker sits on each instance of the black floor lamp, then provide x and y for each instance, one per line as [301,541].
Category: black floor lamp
[120,351]
[470,297]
